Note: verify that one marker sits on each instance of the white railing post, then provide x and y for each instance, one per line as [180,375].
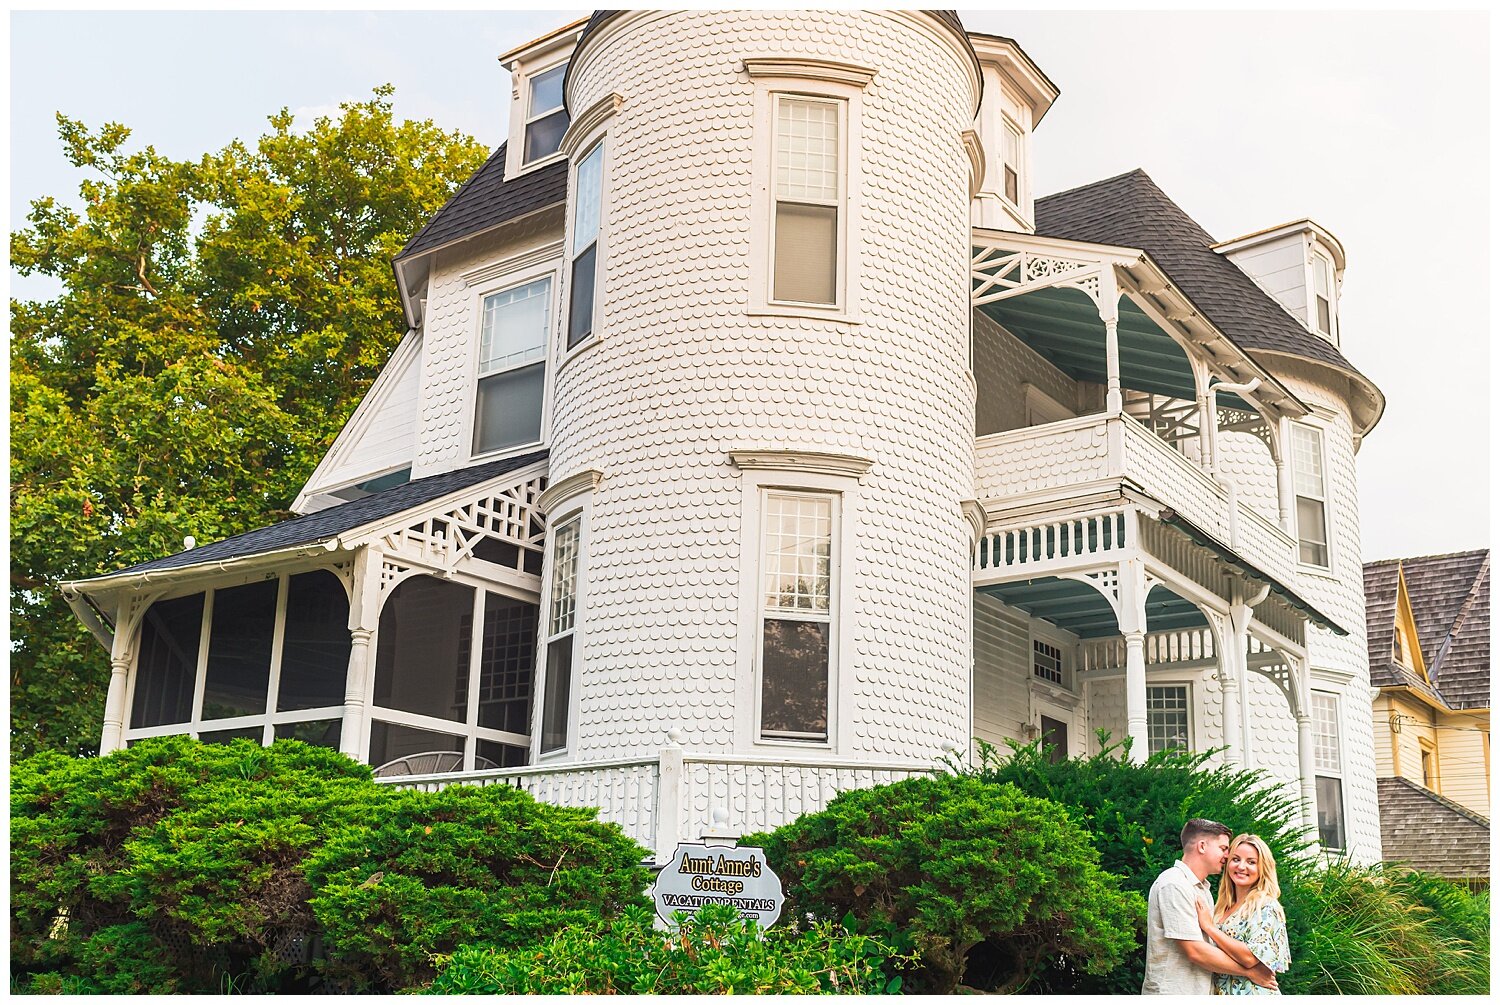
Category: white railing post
[669,792]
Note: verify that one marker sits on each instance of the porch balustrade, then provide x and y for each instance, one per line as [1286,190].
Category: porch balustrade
[1063,463]
[1195,645]
[673,796]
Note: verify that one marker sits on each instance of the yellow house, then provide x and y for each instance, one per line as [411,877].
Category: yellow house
[1428,624]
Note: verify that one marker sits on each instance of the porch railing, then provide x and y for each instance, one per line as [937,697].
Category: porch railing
[1181,646]
[673,796]
[1031,468]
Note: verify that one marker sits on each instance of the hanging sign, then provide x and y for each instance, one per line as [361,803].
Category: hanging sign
[700,874]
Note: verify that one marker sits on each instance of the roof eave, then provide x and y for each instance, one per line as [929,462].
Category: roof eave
[101,585]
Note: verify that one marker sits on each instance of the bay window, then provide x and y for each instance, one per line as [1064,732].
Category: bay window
[512,380]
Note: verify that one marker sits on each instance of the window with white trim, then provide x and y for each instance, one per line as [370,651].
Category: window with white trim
[1166,717]
[1046,661]
[512,381]
[1328,768]
[1322,302]
[562,624]
[588,196]
[808,195]
[1011,162]
[263,660]
[797,611]
[546,118]
[1310,485]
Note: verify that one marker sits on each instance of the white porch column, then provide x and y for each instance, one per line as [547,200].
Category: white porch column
[1231,656]
[364,616]
[1133,627]
[1306,769]
[1281,451]
[1109,312]
[112,737]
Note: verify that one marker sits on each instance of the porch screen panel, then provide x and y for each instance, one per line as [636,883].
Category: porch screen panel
[319,733]
[168,663]
[390,741]
[239,650]
[507,663]
[315,646]
[422,659]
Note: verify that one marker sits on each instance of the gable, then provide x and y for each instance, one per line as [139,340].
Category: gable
[380,438]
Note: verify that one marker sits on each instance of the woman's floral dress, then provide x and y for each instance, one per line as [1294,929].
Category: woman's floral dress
[1264,931]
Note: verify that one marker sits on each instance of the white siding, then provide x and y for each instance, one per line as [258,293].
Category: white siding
[1002,660]
[1280,268]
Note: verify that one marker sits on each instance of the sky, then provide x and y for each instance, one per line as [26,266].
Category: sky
[1377,125]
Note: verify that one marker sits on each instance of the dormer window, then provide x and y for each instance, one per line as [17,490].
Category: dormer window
[1012,158]
[546,118]
[1322,300]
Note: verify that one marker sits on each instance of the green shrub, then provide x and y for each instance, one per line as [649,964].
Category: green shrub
[168,866]
[428,872]
[954,862]
[712,953]
[176,866]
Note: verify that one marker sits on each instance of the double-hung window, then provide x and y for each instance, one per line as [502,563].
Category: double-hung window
[562,624]
[588,192]
[512,366]
[808,182]
[797,576]
[1310,483]
[546,118]
[1011,156]
[1166,717]
[1328,765]
[1322,300]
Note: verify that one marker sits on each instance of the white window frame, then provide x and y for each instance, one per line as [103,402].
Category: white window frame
[577,147]
[1187,688]
[764,471]
[814,80]
[575,511]
[839,203]
[1322,500]
[1010,128]
[1319,263]
[1323,768]
[523,118]
[195,724]
[509,276]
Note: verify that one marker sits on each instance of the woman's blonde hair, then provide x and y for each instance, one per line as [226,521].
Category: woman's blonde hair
[1265,889]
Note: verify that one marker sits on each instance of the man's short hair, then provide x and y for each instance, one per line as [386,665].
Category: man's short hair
[1198,828]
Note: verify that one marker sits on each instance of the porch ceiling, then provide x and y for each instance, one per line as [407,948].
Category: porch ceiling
[1082,610]
[1063,325]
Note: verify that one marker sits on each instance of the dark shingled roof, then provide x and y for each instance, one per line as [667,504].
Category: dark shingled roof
[327,523]
[1130,211]
[1450,601]
[1423,830]
[487,200]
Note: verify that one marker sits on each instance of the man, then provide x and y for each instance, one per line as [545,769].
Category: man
[1179,959]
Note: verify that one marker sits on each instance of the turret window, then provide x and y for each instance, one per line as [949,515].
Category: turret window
[588,194]
[797,575]
[809,197]
[562,624]
[546,118]
[1310,483]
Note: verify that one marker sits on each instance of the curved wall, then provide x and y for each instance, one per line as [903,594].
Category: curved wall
[683,373]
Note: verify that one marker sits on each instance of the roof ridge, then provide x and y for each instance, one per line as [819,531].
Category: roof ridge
[1458,620]
[1439,798]
[1423,558]
[1101,181]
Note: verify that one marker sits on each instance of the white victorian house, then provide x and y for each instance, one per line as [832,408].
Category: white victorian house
[759,433]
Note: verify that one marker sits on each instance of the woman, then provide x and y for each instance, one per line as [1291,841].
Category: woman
[1247,922]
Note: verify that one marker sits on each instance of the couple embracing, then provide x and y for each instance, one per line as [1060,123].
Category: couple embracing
[1234,947]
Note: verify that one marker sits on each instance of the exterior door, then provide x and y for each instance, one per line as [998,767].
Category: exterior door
[1055,733]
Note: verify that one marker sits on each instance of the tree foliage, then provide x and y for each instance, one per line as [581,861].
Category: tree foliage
[953,863]
[218,320]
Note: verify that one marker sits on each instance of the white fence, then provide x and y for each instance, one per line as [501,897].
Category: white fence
[674,796]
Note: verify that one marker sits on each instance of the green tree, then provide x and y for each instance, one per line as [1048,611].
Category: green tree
[217,322]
